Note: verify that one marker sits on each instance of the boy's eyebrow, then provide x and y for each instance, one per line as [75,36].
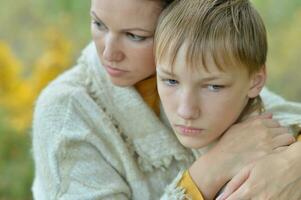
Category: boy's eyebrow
[93,14]
[218,76]
[210,78]
[204,79]
[164,71]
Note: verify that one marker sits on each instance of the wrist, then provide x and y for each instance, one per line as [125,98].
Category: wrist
[293,153]
[209,175]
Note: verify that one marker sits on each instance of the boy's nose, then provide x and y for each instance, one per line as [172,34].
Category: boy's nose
[188,108]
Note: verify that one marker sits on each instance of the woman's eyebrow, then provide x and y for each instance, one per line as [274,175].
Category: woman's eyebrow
[93,14]
[137,29]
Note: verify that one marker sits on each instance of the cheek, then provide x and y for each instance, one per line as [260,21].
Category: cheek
[168,99]
[98,40]
[224,110]
[219,119]
[233,109]
[162,93]
[96,34]
[142,54]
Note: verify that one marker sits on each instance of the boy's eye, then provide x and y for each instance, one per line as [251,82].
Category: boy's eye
[215,88]
[170,82]
[135,37]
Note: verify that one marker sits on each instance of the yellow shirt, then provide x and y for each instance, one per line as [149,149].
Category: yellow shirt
[148,90]
[190,187]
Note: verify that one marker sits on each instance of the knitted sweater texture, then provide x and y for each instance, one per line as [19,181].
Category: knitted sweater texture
[93,140]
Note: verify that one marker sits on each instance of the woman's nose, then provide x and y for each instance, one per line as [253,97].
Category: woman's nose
[112,49]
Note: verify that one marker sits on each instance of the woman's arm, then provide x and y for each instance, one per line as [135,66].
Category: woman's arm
[68,162]
[212,171]
[289,114]
[242,144]
[276,176]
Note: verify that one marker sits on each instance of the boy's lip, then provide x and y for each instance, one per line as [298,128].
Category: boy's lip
[188,130]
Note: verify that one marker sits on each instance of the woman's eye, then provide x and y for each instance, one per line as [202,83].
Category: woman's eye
[135,37]
[170,82]
[99,25]
[215,88]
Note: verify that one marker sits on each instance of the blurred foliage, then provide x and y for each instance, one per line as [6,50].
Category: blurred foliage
[40,39]
[283,22]
[15,164]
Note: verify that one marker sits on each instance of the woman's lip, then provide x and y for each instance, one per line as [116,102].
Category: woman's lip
[187,130]
[114,71]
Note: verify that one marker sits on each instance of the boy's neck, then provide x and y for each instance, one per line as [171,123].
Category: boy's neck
[254,107]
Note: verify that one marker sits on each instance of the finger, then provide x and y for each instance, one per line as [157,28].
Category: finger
[242,193]
[283,140]
[280,149]
[279,131]
[266,115]
[261,116]
[235,183]
[271,123]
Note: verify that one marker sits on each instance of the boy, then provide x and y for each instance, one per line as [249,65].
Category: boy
[210,58]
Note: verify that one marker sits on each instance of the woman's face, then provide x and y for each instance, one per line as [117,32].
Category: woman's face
[123,32]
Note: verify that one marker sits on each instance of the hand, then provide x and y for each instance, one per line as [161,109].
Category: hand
[276,176]
[240,145]
[249,140]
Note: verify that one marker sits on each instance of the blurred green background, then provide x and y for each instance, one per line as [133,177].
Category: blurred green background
[39,39]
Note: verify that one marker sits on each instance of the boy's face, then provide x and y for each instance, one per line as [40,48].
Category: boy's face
[201,105]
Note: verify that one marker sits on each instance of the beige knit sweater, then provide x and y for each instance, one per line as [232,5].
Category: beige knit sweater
[92,140]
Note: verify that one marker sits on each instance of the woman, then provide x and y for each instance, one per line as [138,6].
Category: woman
[98,132]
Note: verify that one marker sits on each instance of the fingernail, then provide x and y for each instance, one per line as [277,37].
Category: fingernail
[220,197]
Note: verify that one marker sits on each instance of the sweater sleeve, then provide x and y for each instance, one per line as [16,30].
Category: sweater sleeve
[288,113]
[182,188]
[68,163]
[173,191]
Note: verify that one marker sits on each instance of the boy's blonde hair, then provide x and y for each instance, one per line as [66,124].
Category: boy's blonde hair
[231,31]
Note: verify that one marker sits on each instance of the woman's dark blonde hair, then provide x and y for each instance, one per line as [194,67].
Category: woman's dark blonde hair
[164,3]
[230,31]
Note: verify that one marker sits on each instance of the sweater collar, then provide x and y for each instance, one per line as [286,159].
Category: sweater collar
[152,140]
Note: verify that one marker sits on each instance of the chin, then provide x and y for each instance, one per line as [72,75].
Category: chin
[192,143]
[121,83]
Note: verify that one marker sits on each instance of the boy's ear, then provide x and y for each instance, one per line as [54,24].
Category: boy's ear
[257,82]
